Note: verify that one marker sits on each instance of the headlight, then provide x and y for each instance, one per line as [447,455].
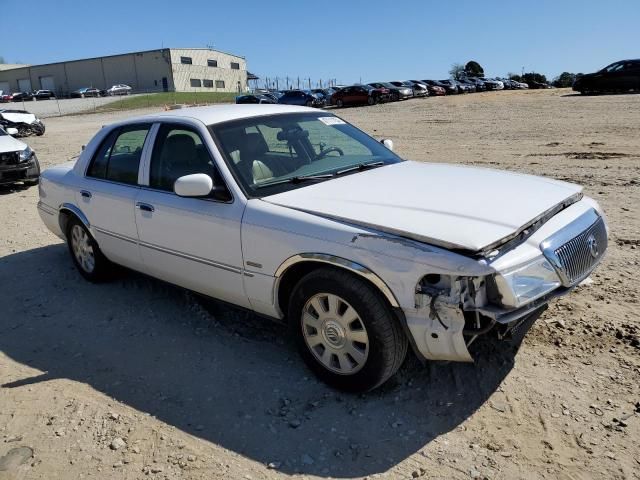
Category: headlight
[26,154]
[524,283]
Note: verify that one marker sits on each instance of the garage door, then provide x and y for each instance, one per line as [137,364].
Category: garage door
[4,87]
[47,83]
[24,85]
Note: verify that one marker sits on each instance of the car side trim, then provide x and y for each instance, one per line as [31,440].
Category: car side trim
[158,248]
[338,262]
[221,266]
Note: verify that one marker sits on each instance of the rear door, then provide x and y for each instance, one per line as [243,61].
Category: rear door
[191,242]
[109,191]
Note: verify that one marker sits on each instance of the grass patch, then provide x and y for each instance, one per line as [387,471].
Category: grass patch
[168,98]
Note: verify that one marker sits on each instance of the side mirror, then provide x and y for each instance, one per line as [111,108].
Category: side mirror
[12,131]
[195,185]
[199,185]
[387,143]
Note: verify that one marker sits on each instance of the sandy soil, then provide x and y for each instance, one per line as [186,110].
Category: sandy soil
[137,379]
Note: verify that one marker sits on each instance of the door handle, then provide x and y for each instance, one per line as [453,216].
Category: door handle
[145,207]
[85,193]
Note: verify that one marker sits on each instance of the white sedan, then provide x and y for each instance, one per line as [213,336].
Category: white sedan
[119,89]
[297,215]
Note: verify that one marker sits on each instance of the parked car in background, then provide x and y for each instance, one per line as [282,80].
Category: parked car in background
[5,96]
[23,122]
[395,93]
[491,83]
[621,76]
[120,89]
[431,88]
[21,97]
[479,84]
[419,90]
[467,86]
[85,92]
[325,93]
[43,94]
[254,99]
[448,88]
[18,163]
[537,85]
[301,217]
[454,84]
[359,95]
[302,98]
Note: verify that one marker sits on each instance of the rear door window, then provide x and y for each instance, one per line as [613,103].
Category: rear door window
[118,157]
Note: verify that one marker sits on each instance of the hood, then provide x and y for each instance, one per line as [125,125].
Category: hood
[19,117]
[452,206]
[10,144]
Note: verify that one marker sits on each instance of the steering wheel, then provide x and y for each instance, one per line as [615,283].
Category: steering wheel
[327,151]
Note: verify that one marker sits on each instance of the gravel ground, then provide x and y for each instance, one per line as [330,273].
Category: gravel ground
[138,379]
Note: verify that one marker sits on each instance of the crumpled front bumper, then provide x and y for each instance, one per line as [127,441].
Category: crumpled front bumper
[29,170]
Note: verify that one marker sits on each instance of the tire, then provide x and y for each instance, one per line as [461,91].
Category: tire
[339,103]
[355,343]
[85,252]
[395,97]
[371,101]
[309,103]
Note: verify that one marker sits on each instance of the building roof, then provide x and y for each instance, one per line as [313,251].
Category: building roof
[121,55]
[223,113]
[11,66]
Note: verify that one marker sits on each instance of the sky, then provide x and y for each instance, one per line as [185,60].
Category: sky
[350,41]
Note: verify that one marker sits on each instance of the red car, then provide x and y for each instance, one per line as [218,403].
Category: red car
[433,89]
[5,97]
[359,95]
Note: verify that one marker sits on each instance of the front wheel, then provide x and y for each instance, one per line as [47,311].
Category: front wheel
[340,103]
[371,101]
[345,331]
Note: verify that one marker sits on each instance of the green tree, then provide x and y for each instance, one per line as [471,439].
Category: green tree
[515,77]
[564,80]
[2,59]
[456,70]
[534,77]
[473,69]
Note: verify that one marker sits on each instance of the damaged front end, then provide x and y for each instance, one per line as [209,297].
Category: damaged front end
[452,312]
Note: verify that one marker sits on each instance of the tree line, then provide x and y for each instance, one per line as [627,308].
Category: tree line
[474,69]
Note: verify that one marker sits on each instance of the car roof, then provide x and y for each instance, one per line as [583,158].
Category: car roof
[223,113]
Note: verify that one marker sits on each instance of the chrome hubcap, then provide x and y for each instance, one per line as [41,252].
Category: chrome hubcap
[335,334]
[82,249]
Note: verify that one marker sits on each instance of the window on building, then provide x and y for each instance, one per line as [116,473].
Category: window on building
[235,66]
[195,82]
[207,83]
[212,63]
[186,60]
[219,83]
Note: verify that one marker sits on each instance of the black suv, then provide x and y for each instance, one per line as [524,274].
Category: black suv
[620,76]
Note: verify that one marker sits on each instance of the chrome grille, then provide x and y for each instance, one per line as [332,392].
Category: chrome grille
[575,258]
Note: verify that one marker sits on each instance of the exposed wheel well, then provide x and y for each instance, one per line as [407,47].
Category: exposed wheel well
[294,274]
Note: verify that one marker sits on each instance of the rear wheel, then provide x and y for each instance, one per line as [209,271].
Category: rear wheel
[339,103]
[345,331]
[86,254]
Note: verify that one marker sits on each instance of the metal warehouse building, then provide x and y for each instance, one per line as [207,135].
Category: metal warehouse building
[166,69]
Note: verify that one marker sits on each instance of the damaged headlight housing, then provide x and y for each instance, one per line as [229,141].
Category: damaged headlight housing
[26,154]
[525,283]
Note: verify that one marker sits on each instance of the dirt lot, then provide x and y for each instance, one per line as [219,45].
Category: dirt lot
[137,379]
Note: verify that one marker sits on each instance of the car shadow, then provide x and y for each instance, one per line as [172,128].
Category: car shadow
[8,189]
[224,375]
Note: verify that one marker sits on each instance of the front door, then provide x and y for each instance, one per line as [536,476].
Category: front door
[108,195]
[191,242]
[165,84]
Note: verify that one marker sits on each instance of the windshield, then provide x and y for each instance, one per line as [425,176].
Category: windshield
[275,153]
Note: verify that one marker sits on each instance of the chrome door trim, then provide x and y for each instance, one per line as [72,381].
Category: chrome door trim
[354,267]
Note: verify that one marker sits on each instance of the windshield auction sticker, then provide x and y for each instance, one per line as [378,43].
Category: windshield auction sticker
[332,120]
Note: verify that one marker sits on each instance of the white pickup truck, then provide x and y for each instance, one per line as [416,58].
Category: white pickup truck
[297,215]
